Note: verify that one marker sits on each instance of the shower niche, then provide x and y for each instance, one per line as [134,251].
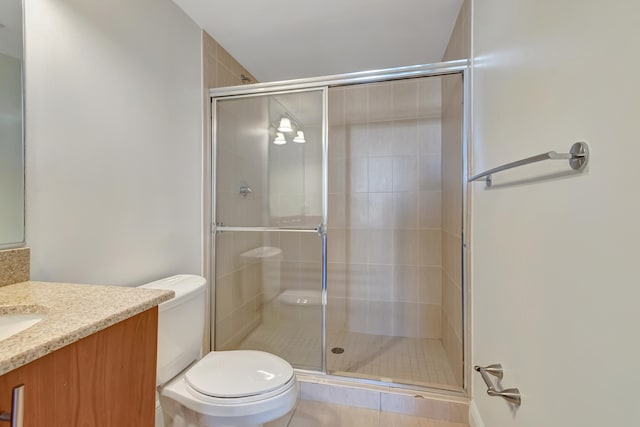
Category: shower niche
[346,257]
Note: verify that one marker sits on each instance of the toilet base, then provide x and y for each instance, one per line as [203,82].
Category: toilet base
[178,408]
[177,415]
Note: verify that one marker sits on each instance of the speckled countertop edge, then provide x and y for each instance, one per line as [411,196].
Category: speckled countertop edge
[73,312]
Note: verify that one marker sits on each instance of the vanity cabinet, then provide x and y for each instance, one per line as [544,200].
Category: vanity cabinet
[104,380]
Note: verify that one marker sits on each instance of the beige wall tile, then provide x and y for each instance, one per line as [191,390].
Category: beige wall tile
[405,283]
[380,174]
[379,249]
[357,315]
[355,104]
[290,245]
[357,282]
[336,106]
[336,245]
[380,315]
[356,143]
[430,247]
[430,209]
[357,246]
[405,173]
[405,137]
[358,175]
[336,314]
[405,99]
[429,93]
[430,172]
[316,414]
[405,210]
[336,280]
[380,138]
[381,210]
[337,172]
[429,320]
[310,247]
[223,297]
[405,247]
[337,137]
[381,284]
[405,319]
[380,102]
[429,136]
[430,285]
[358,210]
[336,210]
[389,419]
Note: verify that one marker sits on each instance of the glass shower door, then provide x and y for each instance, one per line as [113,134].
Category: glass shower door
[269,234]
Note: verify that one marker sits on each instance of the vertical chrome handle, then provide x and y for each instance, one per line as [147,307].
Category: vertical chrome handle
[16,416]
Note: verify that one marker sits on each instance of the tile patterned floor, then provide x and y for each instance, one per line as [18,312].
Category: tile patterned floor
[403,360]
[310,413]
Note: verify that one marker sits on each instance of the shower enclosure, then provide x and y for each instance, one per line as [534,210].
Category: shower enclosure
[338,220]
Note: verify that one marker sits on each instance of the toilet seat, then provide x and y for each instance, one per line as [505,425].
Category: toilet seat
[238,374]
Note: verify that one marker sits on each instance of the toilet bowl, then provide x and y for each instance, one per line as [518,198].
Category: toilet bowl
[239,388]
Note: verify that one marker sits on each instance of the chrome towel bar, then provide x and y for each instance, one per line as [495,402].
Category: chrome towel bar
[511,395]
[578,157]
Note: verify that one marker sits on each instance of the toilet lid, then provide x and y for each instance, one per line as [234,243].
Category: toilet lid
[238,373]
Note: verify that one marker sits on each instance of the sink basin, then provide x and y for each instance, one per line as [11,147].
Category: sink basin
[11,324]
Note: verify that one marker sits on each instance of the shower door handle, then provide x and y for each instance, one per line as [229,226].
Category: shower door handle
[321,230]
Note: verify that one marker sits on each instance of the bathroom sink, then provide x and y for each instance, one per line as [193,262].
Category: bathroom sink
[11,324]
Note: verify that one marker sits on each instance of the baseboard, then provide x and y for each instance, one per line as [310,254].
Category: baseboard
[475,420]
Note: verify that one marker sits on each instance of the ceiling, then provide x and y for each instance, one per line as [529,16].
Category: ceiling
[287,39]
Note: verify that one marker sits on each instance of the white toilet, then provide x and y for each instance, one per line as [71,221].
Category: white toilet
[242,388]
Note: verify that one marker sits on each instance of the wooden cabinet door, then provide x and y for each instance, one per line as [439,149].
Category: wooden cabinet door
[104,380]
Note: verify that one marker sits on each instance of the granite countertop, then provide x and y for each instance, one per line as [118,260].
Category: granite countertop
[73,312]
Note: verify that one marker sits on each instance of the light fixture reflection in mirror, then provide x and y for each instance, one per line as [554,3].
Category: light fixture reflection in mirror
[285,125]
[300,138]
[279,139]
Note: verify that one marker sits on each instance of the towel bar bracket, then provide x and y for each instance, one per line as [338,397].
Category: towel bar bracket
[580,156]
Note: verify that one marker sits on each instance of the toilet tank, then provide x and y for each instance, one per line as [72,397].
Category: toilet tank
[180,324]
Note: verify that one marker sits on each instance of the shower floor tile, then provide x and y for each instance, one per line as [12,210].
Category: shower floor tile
[415,361]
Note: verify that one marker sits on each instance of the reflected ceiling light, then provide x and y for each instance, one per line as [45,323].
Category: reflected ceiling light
[279,139]
[285,125]
[300,138]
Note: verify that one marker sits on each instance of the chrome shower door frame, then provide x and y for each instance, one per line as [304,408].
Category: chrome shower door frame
[325,82]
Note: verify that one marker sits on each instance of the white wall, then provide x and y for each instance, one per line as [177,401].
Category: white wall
[114,110]
[555,278]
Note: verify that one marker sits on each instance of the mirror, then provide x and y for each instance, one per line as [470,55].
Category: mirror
[11,125]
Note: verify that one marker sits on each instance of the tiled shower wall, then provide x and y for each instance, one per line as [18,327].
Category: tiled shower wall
[384,237]
[452,186]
